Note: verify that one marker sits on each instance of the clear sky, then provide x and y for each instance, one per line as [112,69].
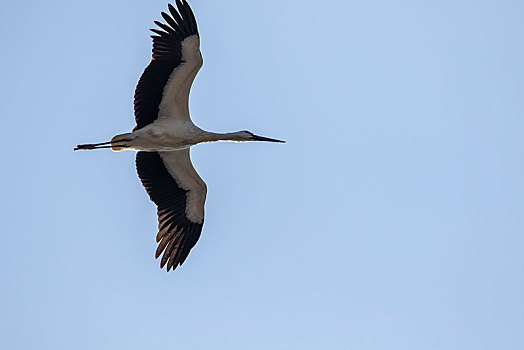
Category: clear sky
[392,218]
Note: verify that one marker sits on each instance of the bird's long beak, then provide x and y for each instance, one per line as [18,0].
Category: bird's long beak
[261,138]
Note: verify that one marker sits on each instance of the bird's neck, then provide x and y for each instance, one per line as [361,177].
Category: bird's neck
[238,136]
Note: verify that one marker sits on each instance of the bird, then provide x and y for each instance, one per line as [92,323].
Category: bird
[164,133]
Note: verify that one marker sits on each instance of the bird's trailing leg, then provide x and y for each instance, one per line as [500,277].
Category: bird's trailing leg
[117,143]
[90,146]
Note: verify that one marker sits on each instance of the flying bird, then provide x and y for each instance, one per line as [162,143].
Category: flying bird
[164,133]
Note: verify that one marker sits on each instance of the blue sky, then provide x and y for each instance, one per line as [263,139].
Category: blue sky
[392,218]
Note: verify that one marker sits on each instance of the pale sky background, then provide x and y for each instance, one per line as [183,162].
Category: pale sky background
[393,217]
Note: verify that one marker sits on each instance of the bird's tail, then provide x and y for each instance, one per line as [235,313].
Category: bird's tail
[117,143]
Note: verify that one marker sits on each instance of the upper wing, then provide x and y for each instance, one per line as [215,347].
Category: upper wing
[163,88]
[179,193]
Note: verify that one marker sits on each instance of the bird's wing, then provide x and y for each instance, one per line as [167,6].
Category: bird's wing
[179,193]
[163,88]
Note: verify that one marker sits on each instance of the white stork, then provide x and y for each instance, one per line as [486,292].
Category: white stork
[164,133]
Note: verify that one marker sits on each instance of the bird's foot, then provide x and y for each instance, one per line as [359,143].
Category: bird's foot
[86,146]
